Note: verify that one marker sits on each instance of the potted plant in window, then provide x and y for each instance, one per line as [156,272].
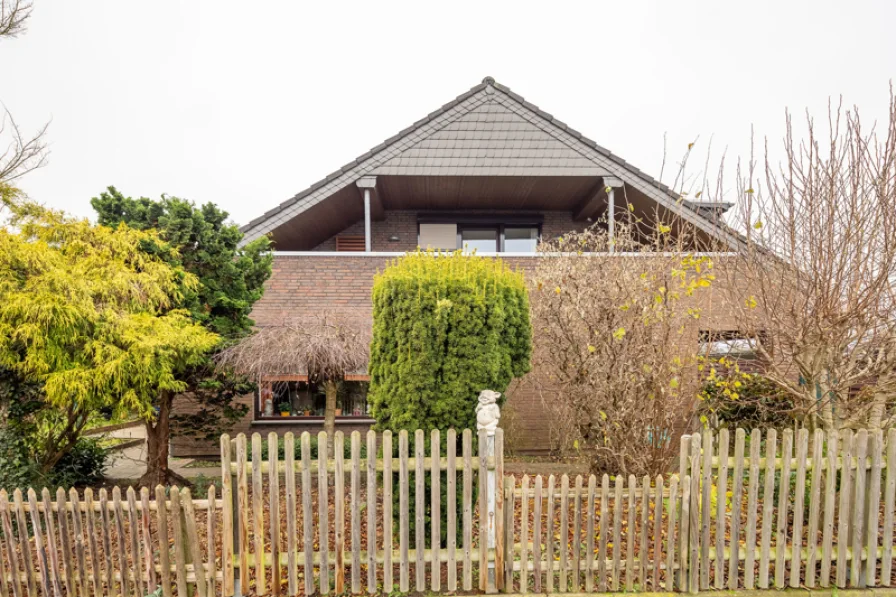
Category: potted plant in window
[284,408]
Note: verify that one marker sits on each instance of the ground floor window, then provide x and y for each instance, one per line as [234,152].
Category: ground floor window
[302,399]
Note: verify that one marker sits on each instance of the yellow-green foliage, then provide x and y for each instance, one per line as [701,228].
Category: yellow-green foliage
[445,327]
[86,313]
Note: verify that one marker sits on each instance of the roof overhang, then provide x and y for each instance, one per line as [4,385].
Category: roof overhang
[488,132]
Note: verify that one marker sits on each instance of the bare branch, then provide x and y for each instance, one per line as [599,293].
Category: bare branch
[23,153]
[14,15]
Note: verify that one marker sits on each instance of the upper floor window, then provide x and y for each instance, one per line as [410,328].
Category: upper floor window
[482,234]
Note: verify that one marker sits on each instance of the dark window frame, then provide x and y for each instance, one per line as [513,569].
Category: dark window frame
[259,416]
[498,222]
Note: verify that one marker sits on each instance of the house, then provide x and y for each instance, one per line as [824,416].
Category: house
[488,170]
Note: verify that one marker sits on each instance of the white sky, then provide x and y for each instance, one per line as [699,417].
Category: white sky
[245,104]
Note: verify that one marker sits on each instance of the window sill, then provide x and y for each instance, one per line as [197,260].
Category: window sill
[312,421]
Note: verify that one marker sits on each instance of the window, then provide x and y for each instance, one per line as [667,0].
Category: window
[300,399]
[728,344]
[520,240]
[481,240]
[438,236]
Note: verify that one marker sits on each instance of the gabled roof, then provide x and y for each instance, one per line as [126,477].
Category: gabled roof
[489,130]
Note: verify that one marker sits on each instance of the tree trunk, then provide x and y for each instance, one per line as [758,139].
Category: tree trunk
[331,388]
[157,436]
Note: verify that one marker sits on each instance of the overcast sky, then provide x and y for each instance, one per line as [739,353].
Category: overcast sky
[245,104]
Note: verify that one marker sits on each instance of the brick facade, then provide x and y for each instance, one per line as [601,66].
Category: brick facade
[302,284]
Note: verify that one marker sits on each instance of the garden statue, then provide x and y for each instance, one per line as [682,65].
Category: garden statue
[487,411]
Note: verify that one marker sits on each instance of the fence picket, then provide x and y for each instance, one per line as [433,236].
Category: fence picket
[563,543]
[844,510]
[830,503]
[180,557]
[25,545]
[93,547]
[604,533]
[536,535]
[387,513]
[577,536]
[752,498]
[737,477]
[694,523]
[164,553]
[339,512]
[451,491]
[242,495]
[499,508]
[419,520]
[684,572]
[858,503]
[371,511]
[589,535]
[307,520]
[435,508]
[617,530]
[783,506]
[814,499]
[524,535]
[227,588]
[705,510]
[467,440]
[122,549]
[323,510]
[209,545]
[549,537]
[274,511]
[509,489]
[799,504]
[404,513]
[289,480]
[630,535]
[133,525]
[40,552]
[657,530]
[886,567]
[671,543]
[872,508]
[193,539]
[52,551]
[258,516]
[4,587]
[721,492]
[642,547]
[768,503]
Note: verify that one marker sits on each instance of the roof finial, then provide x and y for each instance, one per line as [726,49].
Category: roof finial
[488,81]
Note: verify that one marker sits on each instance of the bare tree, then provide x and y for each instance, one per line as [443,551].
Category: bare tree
[815,283]
[325,348]
[14,15]
[23,153]
[618,336]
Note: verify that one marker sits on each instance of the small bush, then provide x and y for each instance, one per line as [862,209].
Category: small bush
[84,465]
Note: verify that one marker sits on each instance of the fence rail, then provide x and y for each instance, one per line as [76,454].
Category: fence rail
[436,513]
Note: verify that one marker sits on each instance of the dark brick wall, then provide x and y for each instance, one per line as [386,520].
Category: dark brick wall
[303,284]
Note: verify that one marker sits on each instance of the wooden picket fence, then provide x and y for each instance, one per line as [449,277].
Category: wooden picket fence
[91,545]
[744,511]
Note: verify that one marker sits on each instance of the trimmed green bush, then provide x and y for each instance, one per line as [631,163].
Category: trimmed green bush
[445,327]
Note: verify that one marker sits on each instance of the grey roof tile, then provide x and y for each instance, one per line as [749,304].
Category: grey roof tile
[491,122]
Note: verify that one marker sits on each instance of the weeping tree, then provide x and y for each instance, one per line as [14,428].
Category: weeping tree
[325,347]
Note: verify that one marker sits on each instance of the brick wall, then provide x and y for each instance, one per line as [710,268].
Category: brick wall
[303,284]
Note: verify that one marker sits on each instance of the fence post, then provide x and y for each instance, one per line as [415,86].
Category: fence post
[487,415]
